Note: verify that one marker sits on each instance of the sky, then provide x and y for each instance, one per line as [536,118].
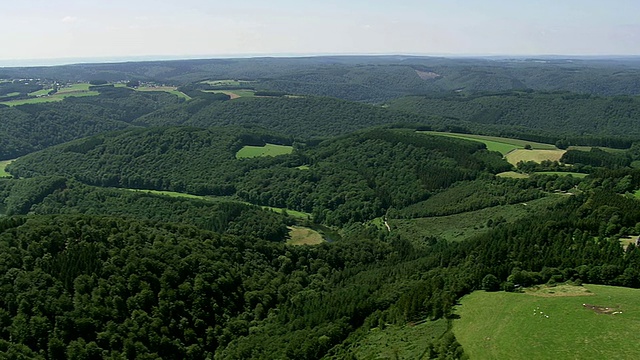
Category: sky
[119,29]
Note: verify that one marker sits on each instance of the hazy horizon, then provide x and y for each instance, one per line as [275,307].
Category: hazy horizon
[43,33]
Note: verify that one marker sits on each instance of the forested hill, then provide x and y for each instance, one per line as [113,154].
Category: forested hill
[559,113]
[350,179]
[28,128]
[369,78]
[302,117]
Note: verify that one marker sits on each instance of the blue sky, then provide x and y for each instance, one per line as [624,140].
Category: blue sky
[38,29]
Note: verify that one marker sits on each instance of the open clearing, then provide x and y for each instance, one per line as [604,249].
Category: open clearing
[234,94]
[293,213]
[227,82]
[267,150]
[170,89]
[304,236]
[515,156]
[517,175]
[625,241]
[398,342]
[494,143]
[3,165]
[75,90]
[465,225]
[563,323]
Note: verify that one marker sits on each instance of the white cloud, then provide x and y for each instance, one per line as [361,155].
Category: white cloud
[69,19]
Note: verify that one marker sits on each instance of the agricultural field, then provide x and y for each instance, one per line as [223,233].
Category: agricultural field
[76,90]
[304,236]
[234,94]
[494,143]
[399,342]
[562,322]
[3,165]
[465,225]
[517,175]
[170,89]
[267,150]
[227,82]
[43,92]
[515,156]
[293,213]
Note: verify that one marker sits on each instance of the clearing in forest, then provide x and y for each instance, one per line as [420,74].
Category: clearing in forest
[515,156]
[562,322]
[304,236]
[3,165]
[267,150]
[494,143]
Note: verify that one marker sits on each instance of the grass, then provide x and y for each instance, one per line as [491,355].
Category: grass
[292,213]
[626,241]
[234,93]
[510,325]
[302,167]
[465,225]
[43,92]
[227,82]
[3,165]
[398,342]
[512,175]
[588,148]
[267,150]
[76,90]
[304,236]
[538,156]
[170,89]
[562,173]
[494,143]
[11,94]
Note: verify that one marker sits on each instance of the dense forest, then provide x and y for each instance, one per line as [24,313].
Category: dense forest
[130,228]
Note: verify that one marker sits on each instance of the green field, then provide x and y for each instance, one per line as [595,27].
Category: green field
[293,213]
[42,92]
[304,236]
[234,93]
[303,167]
[169,89]
[11,94]
[553,325]
[3,165]
[539,155]
[398,342]
[562,173]
[517,175]
[227,82]
[76,90]
[465,225]
[494,143]
[267,150]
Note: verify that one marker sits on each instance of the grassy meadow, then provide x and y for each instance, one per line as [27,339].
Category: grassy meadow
[76,90]
[515,156]
[517,175]
[3,165]
[304,236]
[227,82]
[562,322]
[267,150]
[494,143]
[170,89]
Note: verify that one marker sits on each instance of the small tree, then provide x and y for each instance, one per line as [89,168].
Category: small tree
[490,283]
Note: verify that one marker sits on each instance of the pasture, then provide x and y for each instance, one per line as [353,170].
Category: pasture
[304,236]
[75,90]
[227,82]
[494,143]
[267,150]
[562,322]
[170,89]
[234,94]
[515,156]
[517,175]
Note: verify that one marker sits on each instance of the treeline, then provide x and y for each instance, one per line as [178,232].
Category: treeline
[306,117]
[562,118]
[351,179]
[28,128]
